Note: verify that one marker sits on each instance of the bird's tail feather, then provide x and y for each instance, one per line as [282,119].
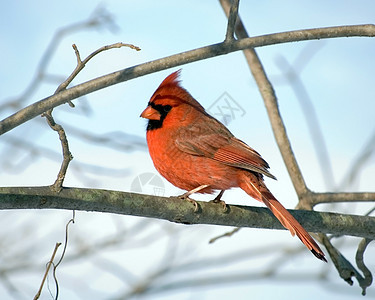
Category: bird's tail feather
[257,189]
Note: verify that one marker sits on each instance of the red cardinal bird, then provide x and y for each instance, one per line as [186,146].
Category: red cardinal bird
[197,153]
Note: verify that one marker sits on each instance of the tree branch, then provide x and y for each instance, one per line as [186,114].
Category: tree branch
[318,198]
[49,264]
[270,100]
[232,18]
[176,210]
[65,96]
[67,155]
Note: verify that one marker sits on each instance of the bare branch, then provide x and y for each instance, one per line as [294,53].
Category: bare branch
[318,198]
[176,210]
[65,96]
[82,63]
[343,266]
[67,156]
[232,18]
[47,270]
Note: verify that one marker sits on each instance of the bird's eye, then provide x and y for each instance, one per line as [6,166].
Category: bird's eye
[167,108]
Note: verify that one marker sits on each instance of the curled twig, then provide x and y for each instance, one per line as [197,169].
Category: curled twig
[345,269]
[365,281]
[63,254]
[57,264]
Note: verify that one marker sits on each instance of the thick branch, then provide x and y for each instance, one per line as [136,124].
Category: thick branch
[179,211]
[176,60]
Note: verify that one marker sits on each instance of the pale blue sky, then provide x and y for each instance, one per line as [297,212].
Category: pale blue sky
[339,79]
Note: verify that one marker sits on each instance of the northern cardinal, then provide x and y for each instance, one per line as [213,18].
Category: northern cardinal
[197,153]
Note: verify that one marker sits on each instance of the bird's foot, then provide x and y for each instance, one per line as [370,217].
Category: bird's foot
[187,194]
[223,204]
[196,207]
[218,200]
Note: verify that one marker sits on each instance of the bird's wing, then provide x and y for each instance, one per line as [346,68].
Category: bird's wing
[213,140]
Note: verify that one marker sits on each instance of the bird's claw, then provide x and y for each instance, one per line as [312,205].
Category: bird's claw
[186,197]
[223,204]
[195,203]
[187,194]
[218,200]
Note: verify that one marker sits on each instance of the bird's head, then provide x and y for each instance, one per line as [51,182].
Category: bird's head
[170,98]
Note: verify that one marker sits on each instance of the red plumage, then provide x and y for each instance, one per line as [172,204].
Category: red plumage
[190,148]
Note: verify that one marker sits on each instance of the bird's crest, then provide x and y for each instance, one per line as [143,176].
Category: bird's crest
[172,93]
[172,79]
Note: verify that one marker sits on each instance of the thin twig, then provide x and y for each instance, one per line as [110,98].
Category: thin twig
[46,272]
[67,156]
[82,63]
[227,234]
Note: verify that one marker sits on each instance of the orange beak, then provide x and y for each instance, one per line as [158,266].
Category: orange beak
[150,113]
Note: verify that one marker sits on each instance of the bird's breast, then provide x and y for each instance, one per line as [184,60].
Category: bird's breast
[185,170]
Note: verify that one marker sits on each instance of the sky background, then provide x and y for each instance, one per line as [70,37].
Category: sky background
[337,76]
